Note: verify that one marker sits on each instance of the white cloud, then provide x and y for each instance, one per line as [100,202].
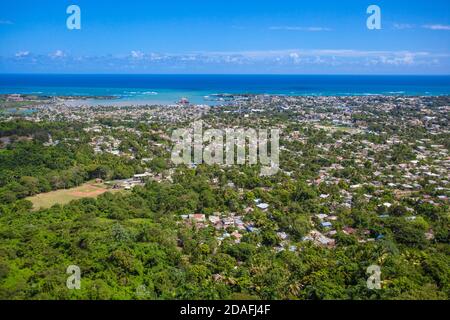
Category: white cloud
[289,59]
[58,54]
[137,54]
[340,53]
[296,28]
[295,57]
[6,22]
[403,26]
[22,54]
[437,27]
[397,60]
[331,57]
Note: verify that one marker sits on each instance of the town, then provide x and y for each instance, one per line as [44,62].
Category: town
[368,173]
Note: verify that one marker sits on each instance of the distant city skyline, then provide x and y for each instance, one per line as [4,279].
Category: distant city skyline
[223,37]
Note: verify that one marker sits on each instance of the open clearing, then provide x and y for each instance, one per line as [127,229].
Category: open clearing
[337,128]
[87,190]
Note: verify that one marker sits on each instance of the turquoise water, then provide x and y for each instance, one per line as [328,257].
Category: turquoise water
[171,88]
[20,111]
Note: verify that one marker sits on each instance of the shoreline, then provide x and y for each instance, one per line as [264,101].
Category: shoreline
[220,99]
[216,89]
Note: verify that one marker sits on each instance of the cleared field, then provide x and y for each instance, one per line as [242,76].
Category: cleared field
[336,128]
[87,190]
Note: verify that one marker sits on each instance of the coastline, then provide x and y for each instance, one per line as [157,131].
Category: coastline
[214,89]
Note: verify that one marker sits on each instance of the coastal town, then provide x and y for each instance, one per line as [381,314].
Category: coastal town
[355,171]
[389,161]
[225,159]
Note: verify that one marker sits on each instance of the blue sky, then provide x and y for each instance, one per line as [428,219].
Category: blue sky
[218,36]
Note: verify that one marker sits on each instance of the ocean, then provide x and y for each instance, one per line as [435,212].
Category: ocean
[167,89]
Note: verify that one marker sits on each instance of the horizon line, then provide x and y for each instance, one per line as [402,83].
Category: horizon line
[227,74]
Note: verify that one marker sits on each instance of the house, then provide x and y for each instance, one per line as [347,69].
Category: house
[327,224]
[239,224]
[237,236]
[319,239]
[263,206]
[331,233]
[217,277]
[282,235]
[218,225]
[141,177]
[380,237]
[228,221]
[214,219]
[197,217]
[429,235]
[201,225]
[238,220]
[248,209]
[348,230]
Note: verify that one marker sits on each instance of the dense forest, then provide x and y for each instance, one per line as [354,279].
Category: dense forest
[123,242]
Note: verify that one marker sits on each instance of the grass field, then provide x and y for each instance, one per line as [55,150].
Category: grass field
[87,190]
